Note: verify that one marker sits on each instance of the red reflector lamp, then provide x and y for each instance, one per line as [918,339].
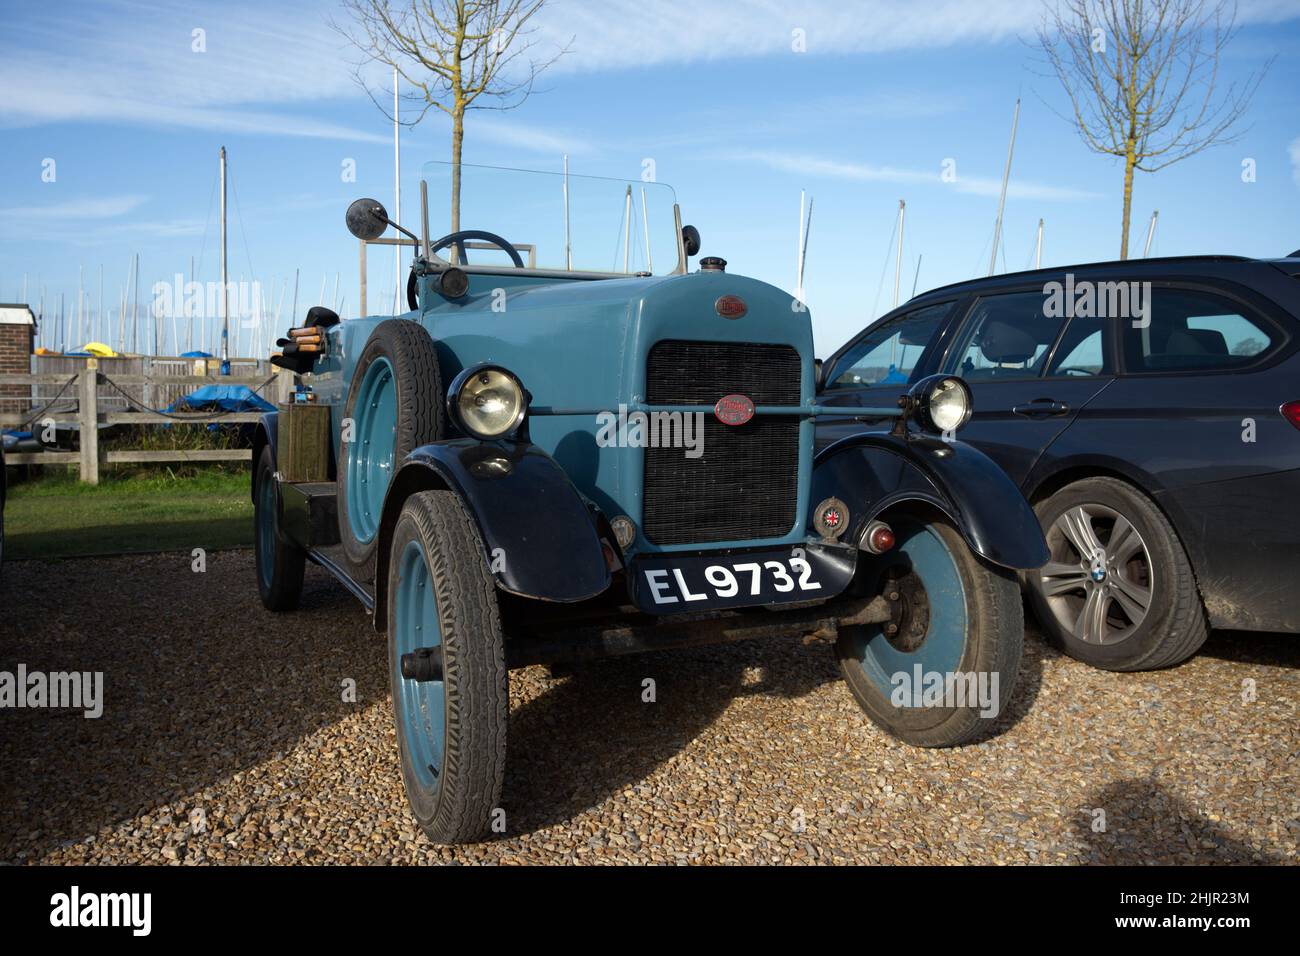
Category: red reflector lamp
[879,538]
[1291,412]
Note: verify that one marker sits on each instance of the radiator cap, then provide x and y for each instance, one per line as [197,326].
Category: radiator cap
[713,264]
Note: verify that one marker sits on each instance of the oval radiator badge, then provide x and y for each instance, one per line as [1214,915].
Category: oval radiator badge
[730,306]
[734,409]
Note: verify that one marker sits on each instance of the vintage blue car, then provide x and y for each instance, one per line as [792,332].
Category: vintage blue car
[574,445]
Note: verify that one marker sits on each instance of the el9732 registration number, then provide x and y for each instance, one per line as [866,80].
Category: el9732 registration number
[667,584]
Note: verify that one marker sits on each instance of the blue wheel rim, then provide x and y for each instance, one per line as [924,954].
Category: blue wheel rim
[421,705]
[371,451]
[945,638]
[266,529]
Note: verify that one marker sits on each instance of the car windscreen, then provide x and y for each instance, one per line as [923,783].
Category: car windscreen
[557,220]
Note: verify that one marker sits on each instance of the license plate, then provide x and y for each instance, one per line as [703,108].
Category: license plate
[676,584]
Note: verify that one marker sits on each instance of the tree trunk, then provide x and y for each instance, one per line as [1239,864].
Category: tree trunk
[1129,162]
[457,140]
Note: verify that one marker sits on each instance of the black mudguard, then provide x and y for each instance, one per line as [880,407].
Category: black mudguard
[875,471]
[266,433]
[540,535]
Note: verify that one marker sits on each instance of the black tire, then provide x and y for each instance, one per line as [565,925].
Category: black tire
[458,807]
[408,348]
[991,643]
[1174,626]
[280,563]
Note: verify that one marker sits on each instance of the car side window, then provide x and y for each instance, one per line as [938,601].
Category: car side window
[1004,337]
[1082,350]
[887,354]
[1189,330]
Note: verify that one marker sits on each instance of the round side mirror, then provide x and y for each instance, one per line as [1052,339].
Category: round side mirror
[691,240]
[367,219]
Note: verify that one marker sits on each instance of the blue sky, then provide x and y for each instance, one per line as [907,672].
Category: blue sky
[733,118]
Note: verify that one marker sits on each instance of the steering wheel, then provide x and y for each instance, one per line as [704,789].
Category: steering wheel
[1074,370]
[457,239]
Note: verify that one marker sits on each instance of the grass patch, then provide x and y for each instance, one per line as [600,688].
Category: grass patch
[59,517]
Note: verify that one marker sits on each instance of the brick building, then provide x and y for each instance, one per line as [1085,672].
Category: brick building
[17,337]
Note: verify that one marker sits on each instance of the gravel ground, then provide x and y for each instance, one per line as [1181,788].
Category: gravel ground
[225,737]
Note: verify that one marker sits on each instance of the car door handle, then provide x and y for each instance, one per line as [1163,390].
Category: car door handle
[1041,407]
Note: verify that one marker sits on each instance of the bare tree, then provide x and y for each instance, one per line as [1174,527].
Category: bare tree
[454,55]
[1143,79]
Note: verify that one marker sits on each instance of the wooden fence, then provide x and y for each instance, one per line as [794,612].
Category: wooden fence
[87,396]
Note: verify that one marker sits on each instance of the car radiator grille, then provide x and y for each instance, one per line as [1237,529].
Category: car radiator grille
[746,483]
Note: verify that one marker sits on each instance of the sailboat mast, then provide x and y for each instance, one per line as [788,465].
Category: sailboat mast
[1038,247]
[397,205]
[805,227]
[568,245]
[1151,232]
[225,278]
[1002,199]
[898,258]
[627,226]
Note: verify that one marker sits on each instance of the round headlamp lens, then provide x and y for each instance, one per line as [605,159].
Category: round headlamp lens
[948,405]
[490,403]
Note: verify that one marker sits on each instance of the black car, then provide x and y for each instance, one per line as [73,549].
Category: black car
[1150,411]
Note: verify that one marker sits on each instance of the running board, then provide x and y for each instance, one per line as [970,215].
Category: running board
[338,569]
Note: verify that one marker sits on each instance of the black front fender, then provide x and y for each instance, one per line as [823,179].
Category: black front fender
[875,471]
[266,432]
[539,534]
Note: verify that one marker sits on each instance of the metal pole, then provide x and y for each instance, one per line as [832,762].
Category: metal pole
[1038,247]
[424,222]
[627,227]
[898,259]
[1151,233]
[225,282]
[189,310]
[397,200]
[121,317]
[806,230]
[645,224]
[568,247]
[135,304]
[1002,199]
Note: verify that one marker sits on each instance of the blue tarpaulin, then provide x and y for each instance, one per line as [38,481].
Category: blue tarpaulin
[226,398]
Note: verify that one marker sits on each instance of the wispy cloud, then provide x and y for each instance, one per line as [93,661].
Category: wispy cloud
[239,67]
[106,207]
[1295,159]
[245,66]
[620,34]
[827,168]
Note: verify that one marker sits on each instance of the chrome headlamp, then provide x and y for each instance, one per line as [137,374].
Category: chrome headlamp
[487,402]
[941,403]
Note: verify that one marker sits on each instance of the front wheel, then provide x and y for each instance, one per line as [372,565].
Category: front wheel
[446,659]
[943,667]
